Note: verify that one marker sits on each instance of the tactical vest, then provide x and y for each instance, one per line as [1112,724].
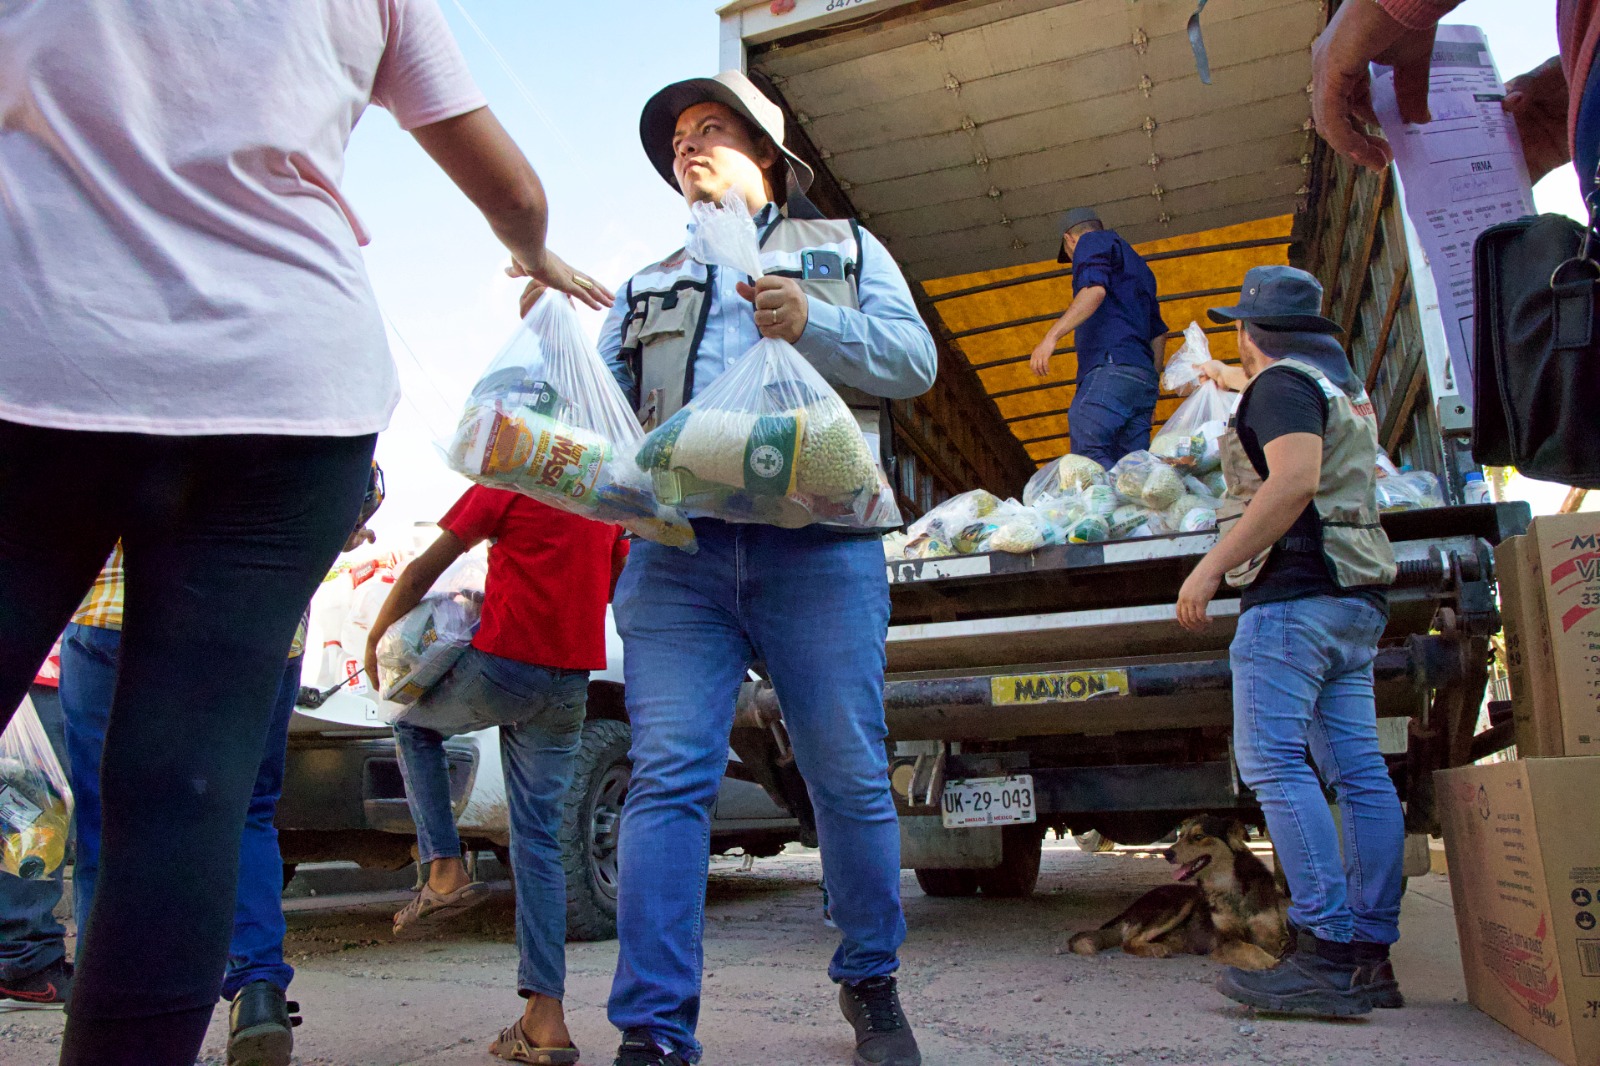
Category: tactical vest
[668,309]
[1353,540]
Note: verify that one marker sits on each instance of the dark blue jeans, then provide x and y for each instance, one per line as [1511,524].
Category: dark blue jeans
[226,539]
[88,679]
[30,936]
[1111,412]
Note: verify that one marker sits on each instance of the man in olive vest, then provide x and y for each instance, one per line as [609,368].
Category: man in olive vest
[1313,565]
[811,604]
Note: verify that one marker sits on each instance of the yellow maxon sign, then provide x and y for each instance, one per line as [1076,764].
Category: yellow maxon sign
[1070,687]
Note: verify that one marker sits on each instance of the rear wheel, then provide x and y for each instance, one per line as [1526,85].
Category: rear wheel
[942,884]
[590,828]
[1018,872]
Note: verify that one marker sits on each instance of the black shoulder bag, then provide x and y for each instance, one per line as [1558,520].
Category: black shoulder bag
[1536,356]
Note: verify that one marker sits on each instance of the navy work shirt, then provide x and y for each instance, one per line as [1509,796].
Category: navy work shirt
[1130,318]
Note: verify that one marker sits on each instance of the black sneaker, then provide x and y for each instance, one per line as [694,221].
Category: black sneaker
[45,989]
[261,1026]
[1306,982]
[638,1049]
[1378,980]
[883,1036]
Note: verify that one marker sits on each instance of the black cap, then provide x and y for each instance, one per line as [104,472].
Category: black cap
[1279,297]
[1069,220]
[659,119]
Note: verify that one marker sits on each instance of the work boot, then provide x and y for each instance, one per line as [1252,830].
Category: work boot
[640,1049]
[261,1026]
[46,988]
[1377,977]
[883,1036]
[1324,982]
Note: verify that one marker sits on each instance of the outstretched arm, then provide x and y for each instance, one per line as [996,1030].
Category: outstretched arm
[485,163]
[1082,308]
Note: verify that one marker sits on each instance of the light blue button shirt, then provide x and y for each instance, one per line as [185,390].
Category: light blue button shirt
[883,349]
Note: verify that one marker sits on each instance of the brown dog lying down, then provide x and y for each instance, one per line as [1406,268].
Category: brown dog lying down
[1225,904]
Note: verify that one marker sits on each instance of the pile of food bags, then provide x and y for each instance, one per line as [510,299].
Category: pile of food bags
[35,801]
[548,420]
[769,441]
[416,652]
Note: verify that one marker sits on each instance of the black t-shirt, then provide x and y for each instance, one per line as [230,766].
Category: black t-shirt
[1281,402]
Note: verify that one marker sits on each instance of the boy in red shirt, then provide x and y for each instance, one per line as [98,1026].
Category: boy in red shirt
[527,672]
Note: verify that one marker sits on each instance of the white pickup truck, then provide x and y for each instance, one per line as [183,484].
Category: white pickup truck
[343,797]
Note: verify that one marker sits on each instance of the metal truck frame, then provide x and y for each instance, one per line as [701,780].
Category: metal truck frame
[1067,665]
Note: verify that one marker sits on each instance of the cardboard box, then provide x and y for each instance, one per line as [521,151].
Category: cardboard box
[1523,840]
[1550,602]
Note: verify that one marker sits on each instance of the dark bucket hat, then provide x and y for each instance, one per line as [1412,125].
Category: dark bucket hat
[1279,297]
[1076,217]
[660,119]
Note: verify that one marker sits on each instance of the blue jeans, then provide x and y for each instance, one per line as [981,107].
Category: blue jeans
[1302,678]
[30,936]
[1111,411]
[88,676]
[539,713]
[814,606]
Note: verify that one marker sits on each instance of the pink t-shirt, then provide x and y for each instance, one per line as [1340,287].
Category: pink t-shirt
[177,256]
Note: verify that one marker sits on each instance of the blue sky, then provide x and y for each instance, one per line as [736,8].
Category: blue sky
[587,68]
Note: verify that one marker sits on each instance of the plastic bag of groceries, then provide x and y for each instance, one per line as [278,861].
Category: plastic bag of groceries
[769,441]
[1080,516]
[417,651]
[1195,512]
[1409,491]
[1144,480]
[1182,373]
[548,420]
[1069,473]
[1191,439]
[35,801]
[960,525]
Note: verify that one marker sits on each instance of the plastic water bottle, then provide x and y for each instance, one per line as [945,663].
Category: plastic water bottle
[1475,489]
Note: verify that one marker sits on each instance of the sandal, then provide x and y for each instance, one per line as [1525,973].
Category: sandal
[428,906]
[512,1045]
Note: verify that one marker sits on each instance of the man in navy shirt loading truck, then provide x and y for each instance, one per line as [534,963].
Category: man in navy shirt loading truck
[1117,319]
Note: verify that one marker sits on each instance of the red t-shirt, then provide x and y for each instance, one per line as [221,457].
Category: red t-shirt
[550,577]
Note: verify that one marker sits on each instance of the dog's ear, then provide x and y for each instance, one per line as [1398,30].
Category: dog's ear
[1238,836]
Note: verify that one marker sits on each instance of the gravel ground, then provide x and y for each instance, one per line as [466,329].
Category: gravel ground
[986,984]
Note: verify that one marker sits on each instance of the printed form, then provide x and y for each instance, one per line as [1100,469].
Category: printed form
[1461,173]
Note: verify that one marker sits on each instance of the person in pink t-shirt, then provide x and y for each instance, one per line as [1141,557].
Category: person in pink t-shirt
[195,364]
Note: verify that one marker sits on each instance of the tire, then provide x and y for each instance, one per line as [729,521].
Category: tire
[948,884]
[1018,872]
[1094,842]
[590,826]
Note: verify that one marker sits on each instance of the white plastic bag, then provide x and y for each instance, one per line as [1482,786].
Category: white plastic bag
[769,441]
[1182,373]
[1142,479]
[35,801]
[548,420]
[1411,491]
[1191,439]
[416,652]
[1066,474]
[960,525]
